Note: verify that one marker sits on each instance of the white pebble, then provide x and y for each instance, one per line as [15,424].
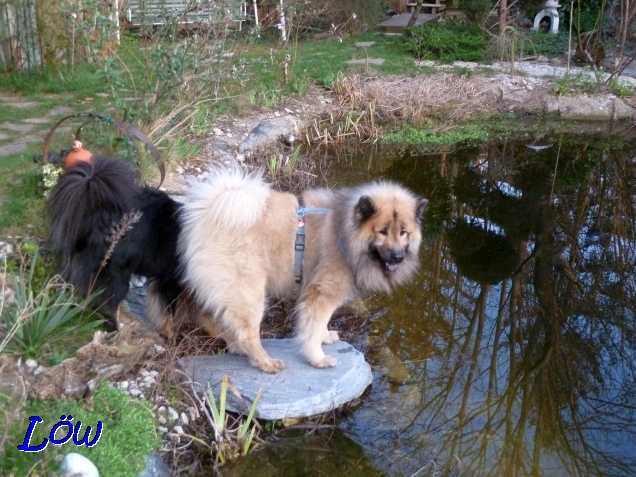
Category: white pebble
[172,414]
[135,392]
[76,465]
[184,419]
[159,349]
[31,363]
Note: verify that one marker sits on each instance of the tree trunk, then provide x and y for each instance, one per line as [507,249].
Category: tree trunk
[415,14]
[503,15]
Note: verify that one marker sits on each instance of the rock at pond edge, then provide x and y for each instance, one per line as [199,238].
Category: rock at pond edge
[299,390]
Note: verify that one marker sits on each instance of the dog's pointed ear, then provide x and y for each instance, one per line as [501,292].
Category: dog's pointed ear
[419,210]
[365,208]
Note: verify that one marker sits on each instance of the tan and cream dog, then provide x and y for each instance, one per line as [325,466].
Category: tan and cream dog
[237,248]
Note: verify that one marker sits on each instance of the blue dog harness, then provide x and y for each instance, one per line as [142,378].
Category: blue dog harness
[300,237]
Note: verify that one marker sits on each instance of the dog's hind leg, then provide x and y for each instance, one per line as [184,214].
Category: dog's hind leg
[241,323]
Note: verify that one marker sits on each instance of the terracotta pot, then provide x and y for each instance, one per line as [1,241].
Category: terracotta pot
[77,154]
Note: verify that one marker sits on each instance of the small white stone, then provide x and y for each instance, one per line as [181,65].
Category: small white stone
[39,370]
[229,134]
[172,414]
[163,429]
[159,349]
[31,363]
[217,132]
[76,465]
[135,392]
[179,170]
[240,157]
[143,372]
[178,429]
[184,419]
[124,385]
[162,419]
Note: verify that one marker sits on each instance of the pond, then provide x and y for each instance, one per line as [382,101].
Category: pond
[512,352]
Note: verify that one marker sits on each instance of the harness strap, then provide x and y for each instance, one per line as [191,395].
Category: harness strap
[299,246]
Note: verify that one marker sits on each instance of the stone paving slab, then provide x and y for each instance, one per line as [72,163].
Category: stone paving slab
[17,127]
[367,61]
[13,148]
[299,390]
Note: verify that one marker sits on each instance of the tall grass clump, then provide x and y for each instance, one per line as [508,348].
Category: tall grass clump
[45,312]
[233,437]
[509,46]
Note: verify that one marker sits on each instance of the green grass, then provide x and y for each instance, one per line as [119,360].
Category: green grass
[82,80]
[463,135]
[128,434]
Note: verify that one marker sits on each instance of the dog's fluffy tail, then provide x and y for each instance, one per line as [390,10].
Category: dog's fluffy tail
[231,199]
[83,206]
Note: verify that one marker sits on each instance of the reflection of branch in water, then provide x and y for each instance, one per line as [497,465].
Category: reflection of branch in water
[540,374]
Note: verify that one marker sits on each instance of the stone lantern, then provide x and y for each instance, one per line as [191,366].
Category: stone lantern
[550,11]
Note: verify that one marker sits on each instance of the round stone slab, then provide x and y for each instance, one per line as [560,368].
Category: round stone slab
[299,390]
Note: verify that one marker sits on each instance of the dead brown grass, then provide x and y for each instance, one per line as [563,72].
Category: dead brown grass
[366,104]
[415,100]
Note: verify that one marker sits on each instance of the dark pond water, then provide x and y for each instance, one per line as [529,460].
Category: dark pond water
[512,353]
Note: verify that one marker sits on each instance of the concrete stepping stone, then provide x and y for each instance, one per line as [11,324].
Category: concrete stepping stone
[367,61]
[18,127]
[299,390]
[364,44]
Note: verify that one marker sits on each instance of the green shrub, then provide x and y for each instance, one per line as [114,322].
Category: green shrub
[547,44]
[447,42]
[476,10]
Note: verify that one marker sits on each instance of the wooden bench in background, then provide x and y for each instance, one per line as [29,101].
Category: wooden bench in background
[192,14]
[433,8]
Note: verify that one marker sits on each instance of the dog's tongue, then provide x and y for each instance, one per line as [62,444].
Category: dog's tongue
[392,267]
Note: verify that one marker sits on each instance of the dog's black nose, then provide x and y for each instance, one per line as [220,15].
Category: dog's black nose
[397,256]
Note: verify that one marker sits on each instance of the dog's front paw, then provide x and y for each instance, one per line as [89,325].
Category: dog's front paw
[272,365]
[330,337]
[324,362]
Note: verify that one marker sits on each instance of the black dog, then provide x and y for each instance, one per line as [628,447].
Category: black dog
[105,227]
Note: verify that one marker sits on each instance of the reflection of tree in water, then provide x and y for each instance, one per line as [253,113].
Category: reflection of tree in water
[533,369]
